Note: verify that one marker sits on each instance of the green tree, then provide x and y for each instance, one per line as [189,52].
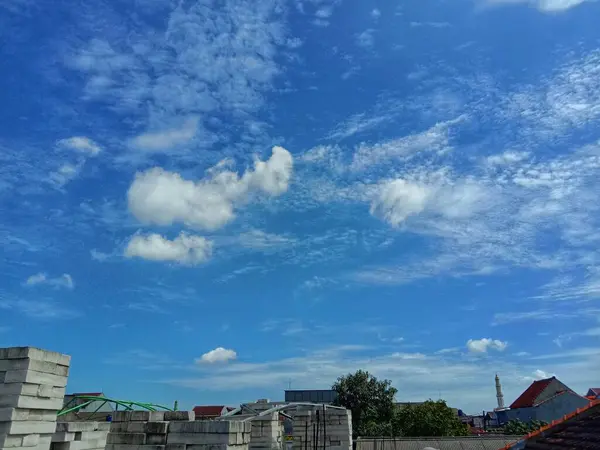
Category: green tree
[431,418]
[370,400]
[517,427]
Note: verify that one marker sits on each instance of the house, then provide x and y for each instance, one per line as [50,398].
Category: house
[545,400]
[100,406]
[578,430]
[210,411]
[593,394]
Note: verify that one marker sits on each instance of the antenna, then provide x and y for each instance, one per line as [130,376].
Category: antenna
[290,384]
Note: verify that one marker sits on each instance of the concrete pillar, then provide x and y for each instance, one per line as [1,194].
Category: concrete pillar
[32,391]
[267,433]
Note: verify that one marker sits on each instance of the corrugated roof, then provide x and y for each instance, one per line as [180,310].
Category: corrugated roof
[528,397]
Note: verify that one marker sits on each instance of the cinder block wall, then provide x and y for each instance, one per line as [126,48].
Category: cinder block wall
[267,433]
[32,391]
[145,430]
[332,429]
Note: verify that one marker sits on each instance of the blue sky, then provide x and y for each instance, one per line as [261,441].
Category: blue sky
[208,201]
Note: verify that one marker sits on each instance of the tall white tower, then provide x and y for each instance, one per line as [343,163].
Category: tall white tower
[499,395]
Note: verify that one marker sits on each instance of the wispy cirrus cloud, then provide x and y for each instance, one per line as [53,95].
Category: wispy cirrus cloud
[546,6]
[41,278]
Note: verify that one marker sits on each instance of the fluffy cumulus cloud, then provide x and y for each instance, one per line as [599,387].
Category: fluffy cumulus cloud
[80,144]
[218,355]
[163,198]
[184,249]
[485,344]
[63,281]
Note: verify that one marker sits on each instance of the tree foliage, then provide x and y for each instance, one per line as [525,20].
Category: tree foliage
[431,418]
[370,400]
[374,411]
[518,428]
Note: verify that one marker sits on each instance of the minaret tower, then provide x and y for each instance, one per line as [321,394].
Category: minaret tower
[499,395]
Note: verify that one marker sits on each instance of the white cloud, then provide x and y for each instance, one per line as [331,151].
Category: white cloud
[81,144]
[166,139]
[435,140]
[507,158]
[163,198]
[399,199]
[64,281]
[375,13]
[259,240]
[365,39]
[485,344]
[218,355]
[548,6]
[65,173]
[184,249]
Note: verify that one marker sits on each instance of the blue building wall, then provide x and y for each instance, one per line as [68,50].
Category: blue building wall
[550,410]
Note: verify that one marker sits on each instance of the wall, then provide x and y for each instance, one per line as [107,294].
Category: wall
[550,410]
[312,396]
[445,443]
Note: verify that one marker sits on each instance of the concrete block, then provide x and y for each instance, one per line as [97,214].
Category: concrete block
[210,426]
[156,439]
[175,447]
[148,427]
[133,447]
[7,441]
[76,427]
[35,353]
[34,364]
[30,402]
[126,438]
[119,427]
[92,435]
[63,436]
[204,438]
[138,416]
[103,426]
[9,414]
[27,427]
[34,377]
[79,445]
[216,447]
[180,415]
[34,390]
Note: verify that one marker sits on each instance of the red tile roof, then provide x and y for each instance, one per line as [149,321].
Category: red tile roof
[210,411]
[595,391]
[527,399]
[580,430]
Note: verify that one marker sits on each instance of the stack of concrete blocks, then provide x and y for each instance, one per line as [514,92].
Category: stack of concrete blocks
[322,428]
[32,391]
[80,436]
[142,430]
[209,435]
[267,433]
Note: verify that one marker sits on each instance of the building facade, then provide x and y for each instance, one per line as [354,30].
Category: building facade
[326,396]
